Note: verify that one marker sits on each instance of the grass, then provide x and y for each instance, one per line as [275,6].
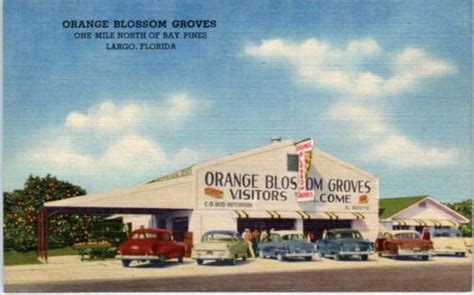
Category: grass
[391,206]
[19,258]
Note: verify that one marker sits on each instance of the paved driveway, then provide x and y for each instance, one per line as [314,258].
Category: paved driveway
[70,268]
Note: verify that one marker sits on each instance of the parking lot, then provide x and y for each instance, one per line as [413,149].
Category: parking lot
[70,268]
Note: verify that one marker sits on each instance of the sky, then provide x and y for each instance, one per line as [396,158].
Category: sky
[384,85]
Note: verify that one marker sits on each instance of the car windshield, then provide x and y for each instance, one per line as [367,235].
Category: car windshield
[409,235]
[348,235]
[293,237]
[448,234]
[218,237]
[142,236]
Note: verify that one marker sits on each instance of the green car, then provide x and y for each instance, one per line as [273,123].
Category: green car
[220,245]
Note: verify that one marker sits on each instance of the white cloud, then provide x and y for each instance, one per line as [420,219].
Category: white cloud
[109,140]
[110,117]
[363,121]
[370,126]
[353,70]
[365,75]
[398,150]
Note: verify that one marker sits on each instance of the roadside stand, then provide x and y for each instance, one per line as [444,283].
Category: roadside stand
[95,250]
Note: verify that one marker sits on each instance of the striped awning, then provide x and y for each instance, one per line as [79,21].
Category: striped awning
[274,214]
[331,215]
[304,214]
[241,214]
[358,215]
[424,222]
[447,222]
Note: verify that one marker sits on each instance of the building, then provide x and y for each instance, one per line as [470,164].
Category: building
[257,188]
[417,212]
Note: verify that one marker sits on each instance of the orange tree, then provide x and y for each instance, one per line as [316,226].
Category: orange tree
[21,208]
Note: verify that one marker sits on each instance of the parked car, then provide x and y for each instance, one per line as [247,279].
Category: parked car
[154,245]
[220,245]
[340,243]
[448,242]
[286,244]
[404,243]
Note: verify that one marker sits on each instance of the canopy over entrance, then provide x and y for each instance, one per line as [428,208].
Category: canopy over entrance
[154,198]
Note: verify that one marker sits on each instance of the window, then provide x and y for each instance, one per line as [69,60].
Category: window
[292,162]
[275,237]
[142,236]
[293,237]
[422,205]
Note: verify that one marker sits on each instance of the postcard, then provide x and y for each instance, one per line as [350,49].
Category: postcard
[237,146]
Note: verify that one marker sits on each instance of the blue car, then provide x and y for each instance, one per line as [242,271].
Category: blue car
[340,243]
[286,244]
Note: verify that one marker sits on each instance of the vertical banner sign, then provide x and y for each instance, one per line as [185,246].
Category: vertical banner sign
[304,150]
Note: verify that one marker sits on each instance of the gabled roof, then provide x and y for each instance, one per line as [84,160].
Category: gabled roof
[391,206]
[247,153]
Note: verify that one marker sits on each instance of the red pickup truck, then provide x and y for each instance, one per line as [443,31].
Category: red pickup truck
[154,245]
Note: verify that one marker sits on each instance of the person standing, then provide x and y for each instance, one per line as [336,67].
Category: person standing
[248,239]
[425,234]
[255,239]
[264,236]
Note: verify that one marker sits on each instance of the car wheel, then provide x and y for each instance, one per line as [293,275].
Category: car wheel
[199,261]
[380,254]
[321,254]
[244,258]
[126,263]
[280,257]
[308,258]
[425,257]
[364,257]
[181,259]
[462,254]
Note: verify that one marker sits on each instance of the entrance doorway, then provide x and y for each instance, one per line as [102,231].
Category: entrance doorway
[265,224]
[179,227]
[317,226]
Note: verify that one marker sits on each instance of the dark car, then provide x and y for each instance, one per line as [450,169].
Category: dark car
[286,244]
[339,243]
[154,245]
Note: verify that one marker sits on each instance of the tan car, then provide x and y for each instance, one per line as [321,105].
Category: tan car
[448,242]
[220,245]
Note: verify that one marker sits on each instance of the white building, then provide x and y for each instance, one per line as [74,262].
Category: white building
[251,189]
[417,212]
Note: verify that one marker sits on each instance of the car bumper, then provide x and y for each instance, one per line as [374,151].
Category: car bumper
[410,254]
[355,253]
[449,251]
[306,254]
[139,257]
[222,256]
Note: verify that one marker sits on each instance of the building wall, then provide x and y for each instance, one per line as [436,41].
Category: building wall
[368,227]
[431,210]
[139,221]
[268,170]
[202,221]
